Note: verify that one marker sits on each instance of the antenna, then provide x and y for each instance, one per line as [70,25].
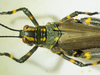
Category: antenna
[11,30]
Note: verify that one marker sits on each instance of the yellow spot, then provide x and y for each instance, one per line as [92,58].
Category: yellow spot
[35,39]
[56,29]
[74,53]
[52,23]
[68,16]
[61,55]
[56,38]
[95,63]
[30,29]
[51,46]
[31,17]
[75,20]
[43,39]
[88,20]
[14,11]
[30,38]
[88,56]
[28,54]
[72,60]
[57,52]
[43,29]
[60,20]
[62,50]
[86,12]
[11,56]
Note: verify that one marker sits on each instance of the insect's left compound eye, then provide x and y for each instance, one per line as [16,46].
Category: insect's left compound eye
[25,27]
[24,40]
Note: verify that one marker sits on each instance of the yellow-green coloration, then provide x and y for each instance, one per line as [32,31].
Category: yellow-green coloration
[14,11]
[68,16]
[43,39]
[57,52]
[31,17]
[75,20]
[43,29]
[56,29]
[95,63]
[86,13]
[51,46]
[88,20]
[11,56]
[74,53]
[72,60]
[62,50]
[30,29]
[60,20]
[28,54]
[52,23]
[56,38]
[88,56]
[61,55]
[30,38]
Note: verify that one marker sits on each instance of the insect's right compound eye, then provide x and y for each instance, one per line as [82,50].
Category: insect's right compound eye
[25,27]
[24,40]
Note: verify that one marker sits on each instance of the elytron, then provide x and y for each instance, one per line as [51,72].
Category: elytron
[66,37]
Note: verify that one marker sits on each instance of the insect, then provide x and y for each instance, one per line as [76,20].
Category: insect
[67,37]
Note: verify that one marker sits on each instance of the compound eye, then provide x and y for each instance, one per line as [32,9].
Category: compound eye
[25,27]
[24,40]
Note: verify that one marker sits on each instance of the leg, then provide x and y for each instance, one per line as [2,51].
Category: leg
[26,11]
[76,13]
[77,62]
[90,20]
[77,21]
[23,58]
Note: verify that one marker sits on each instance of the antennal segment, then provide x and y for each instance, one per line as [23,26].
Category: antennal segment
[9,29]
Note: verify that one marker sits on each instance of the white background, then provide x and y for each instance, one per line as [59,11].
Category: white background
[43,61]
